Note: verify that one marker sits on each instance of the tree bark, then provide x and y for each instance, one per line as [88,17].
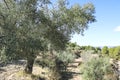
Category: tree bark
[29,65]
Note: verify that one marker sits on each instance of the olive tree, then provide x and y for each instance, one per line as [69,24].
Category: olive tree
[29,25]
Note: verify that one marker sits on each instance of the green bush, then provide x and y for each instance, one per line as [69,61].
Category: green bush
[65,56]
[87,55]
[105,50]
[97,69]
[114,52]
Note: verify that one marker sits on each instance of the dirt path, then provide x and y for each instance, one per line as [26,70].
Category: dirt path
[73,71]
[76,70]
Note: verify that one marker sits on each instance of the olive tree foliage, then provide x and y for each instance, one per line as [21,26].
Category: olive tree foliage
[27,26]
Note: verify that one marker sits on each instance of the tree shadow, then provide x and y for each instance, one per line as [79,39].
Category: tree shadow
[15,62]
[69,75]
[2,70]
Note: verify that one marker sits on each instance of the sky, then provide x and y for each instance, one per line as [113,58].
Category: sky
[104,32]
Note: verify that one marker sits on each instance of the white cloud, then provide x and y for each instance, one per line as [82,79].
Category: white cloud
[117,29]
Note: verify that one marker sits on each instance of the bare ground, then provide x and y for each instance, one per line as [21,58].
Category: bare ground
[13,71]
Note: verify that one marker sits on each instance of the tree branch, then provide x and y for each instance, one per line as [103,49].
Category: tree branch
[6,4]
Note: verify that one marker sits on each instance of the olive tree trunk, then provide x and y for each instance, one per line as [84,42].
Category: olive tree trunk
[29,65]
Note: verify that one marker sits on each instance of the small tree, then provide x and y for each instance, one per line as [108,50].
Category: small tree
[105,50]
[97,49]
[116,53]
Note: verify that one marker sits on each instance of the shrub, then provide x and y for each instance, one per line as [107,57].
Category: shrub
[114,52]
[87,55]
[65,56]
[97,69]
[105,50]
